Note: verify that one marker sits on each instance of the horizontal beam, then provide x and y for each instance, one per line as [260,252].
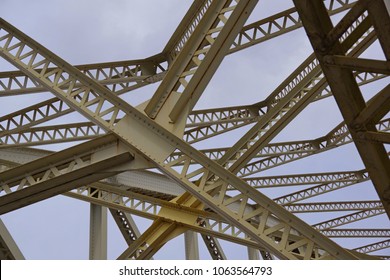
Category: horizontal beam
[359,64]
[373,247]
[33,115]
[316,191]
[304,179]
[382,137]
[44,135]
[357,233]
[301,149]
[333,206]
[119,76]
[280,23]
[347,219]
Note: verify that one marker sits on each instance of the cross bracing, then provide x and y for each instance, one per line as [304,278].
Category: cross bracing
[217,187]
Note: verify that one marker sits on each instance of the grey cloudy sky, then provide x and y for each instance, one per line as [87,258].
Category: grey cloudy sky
[91,31]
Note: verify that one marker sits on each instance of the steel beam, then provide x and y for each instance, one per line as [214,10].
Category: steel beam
[303,179]
[213,247]
[344,24]
[185,28]
[33,115]
[98,232]
[274,181]
[381,137]
[211,53]
[212,122]
[120,76]
[126,225]
[373,247]
[357,233]
[381,20]
[251,34]
[316,190]
[253,254]
[333,206]
[247,114]
[51,134]
[23,136]
[200,56]
[359,64]
[150,241]
[347,219]
[191,245]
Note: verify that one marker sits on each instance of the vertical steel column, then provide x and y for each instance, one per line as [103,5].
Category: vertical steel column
[253,254]
[191,245]
[98,233]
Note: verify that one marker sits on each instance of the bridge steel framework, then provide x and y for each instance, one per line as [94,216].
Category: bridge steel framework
[142,160]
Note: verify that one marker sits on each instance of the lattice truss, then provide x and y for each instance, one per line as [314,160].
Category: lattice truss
[167,161]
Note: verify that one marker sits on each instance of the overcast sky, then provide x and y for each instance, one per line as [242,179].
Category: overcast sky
[91,31]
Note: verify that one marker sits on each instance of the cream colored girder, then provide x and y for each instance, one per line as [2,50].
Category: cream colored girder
[357,233]
[374,247]
[112,123]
